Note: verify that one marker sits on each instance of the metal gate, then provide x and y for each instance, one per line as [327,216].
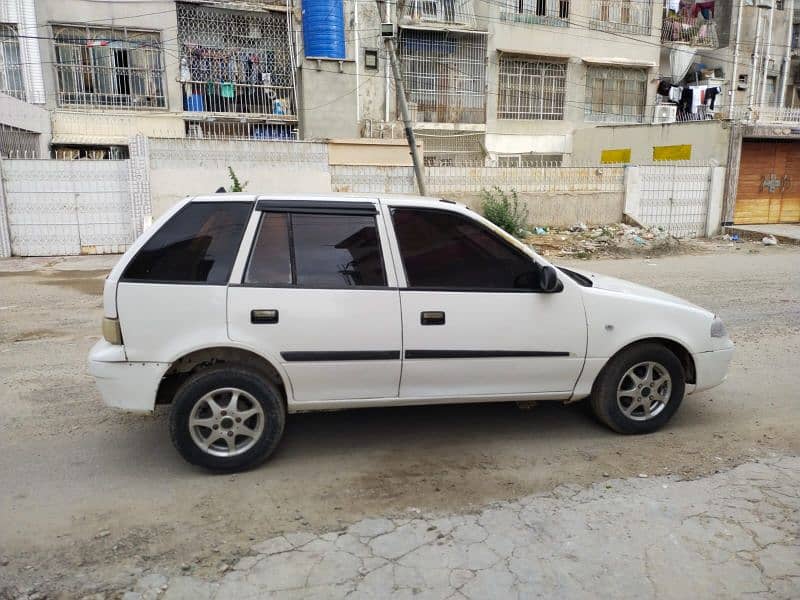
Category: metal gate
[675,198]
[61,207]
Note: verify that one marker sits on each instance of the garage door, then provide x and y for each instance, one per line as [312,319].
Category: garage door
[769,183]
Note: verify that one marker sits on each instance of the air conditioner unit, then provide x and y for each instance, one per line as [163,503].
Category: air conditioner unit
[665,113]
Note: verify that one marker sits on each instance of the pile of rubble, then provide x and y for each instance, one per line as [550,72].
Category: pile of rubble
[618,239]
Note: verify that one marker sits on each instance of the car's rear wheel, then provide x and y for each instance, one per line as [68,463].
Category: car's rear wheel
[227,419]
[639,389]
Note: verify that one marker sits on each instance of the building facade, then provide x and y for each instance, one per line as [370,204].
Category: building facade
[490,82]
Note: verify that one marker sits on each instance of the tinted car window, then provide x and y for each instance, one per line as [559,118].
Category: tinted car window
[197,245]
[336,250]
[446,250]
[270,262]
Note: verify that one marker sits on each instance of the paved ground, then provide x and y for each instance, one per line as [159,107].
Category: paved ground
[725,536]
[93,500]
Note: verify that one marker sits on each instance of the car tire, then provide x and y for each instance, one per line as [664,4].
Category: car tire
[627,401]
[212,430]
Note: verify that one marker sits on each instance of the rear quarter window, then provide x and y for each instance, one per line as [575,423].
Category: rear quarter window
[197,245]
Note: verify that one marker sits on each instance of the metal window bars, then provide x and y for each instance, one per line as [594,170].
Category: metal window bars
[531,89]
[457,12]
[692,25]
[18,143]
[445,74]
[236,62]
[102,67]
[554,13]
[12,79]
[622,16]
[240,130]
[451,148]
[615,94]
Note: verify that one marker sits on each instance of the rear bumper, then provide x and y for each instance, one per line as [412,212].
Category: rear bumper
[712,368]
[130,386]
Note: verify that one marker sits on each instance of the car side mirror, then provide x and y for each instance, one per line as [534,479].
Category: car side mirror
[548,279]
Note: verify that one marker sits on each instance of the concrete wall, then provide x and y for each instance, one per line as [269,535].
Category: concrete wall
[370,152]
[561,209]
[709,141]
[180,168]
[22,115]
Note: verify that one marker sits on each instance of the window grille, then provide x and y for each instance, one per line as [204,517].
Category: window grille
[531,89]
[529,160]
[236,62]
[18,143]
[622,16]
[238,130]
[101,67]
[451,148]
[458,12]
[615,94]
[12,81]
[554,13]
[445,75]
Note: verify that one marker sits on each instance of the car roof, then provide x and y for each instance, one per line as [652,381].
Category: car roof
[332,196]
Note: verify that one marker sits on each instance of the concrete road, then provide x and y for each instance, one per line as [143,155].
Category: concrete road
[93,499]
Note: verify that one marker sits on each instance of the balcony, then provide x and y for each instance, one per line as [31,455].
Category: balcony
[634,18]
[553,13]
[693,25]
[437,12]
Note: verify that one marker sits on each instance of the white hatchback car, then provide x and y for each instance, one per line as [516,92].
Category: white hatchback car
[238,309]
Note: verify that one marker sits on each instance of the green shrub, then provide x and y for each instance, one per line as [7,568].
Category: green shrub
[236,186]
[504,209]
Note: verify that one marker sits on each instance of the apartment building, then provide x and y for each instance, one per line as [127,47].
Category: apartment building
[164,69]
[24,124]
[512,82]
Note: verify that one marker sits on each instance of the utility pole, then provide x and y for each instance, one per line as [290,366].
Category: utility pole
[401,100]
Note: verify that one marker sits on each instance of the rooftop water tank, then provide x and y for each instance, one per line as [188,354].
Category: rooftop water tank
[323,29]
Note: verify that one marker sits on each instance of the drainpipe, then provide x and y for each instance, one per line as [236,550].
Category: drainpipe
[787,56]
[358,64]
[386,91]
[735,76]
[754,66]
[767,50]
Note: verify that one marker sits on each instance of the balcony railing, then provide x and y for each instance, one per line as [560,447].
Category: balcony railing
[766,114]
[691,26]
[433,12]
[239,98]
[554,13]
[633,17]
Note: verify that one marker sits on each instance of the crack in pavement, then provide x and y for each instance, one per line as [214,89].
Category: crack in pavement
[620,538]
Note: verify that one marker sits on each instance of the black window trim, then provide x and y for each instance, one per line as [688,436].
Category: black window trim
[334,210]
[468,290]
[325,207]
[124,279]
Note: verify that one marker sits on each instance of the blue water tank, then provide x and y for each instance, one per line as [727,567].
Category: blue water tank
[323,29]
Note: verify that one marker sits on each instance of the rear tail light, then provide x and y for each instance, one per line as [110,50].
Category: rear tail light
[111,331]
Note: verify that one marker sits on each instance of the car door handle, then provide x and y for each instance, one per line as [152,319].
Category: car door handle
[263,316]
[431,317]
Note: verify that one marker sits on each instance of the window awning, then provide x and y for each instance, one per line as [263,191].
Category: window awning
[443,28]
[620,62]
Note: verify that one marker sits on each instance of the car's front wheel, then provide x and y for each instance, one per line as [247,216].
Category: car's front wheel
[639,389]
[227,419]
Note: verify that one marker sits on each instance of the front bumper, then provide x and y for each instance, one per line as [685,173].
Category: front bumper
[712,367]
[131,386]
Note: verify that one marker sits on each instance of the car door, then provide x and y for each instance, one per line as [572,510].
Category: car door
[474,323]
[316,295]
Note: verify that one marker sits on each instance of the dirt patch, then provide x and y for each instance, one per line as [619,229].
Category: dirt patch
[35,334]
[85,286]
[617,240]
